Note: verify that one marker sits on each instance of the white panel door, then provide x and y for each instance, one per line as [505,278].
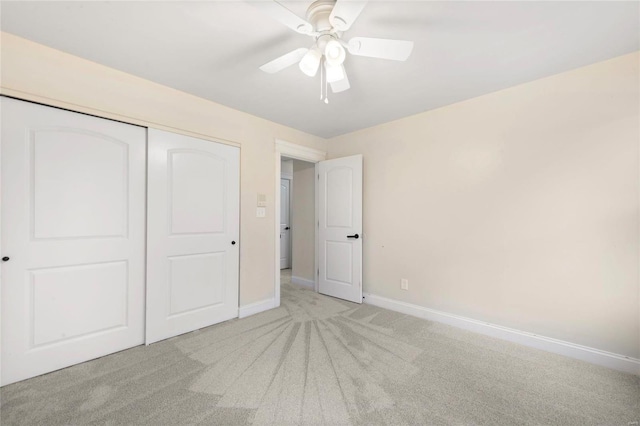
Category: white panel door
[73,230]
[340,228]
[285,223]
[192,234]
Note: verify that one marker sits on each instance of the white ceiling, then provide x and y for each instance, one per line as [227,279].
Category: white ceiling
[213,50]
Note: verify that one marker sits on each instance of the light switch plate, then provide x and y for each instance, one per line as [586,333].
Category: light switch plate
[262,201]
[261,212]
[404,284]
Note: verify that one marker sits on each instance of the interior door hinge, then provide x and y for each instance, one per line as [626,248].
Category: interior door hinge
[318,271]
[318,177]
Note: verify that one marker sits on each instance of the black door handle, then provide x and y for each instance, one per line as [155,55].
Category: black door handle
[356,236]
[233,243]
[6,258]
[287,228]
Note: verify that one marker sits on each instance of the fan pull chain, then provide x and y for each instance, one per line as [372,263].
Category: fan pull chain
[321,71]
[326,90]
[326,85]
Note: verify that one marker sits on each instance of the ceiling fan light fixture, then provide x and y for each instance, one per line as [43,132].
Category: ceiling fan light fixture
[334,53]
[326,22]
[334,72]
[310,62]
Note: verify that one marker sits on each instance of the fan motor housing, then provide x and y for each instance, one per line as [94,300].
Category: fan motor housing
[318,14]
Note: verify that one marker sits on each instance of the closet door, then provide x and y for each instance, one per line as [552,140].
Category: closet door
[192,234]
[73,238]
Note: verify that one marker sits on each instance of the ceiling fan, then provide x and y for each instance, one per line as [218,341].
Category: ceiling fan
[327,20]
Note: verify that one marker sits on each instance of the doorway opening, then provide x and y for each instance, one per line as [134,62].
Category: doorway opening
[298,260]
[297,223]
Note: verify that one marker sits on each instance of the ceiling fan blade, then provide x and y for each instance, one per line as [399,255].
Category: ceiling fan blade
[280,13]
[396,50]
[345,12]
[341,85]
[284,61]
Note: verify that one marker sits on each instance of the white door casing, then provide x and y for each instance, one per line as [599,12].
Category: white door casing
[192,235]
[73,226]
[285,223]
[340,227]
[297,152]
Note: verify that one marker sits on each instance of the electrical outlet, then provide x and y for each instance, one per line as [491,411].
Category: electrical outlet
[404,284]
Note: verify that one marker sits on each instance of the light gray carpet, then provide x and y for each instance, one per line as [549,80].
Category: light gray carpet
[319,360]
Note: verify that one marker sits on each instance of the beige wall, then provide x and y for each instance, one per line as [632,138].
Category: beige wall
[303,218]
[520,208]
[35,72]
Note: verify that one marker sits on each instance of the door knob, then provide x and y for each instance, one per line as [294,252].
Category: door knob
[6,258]
[233,243]
[356,236]
[287,228]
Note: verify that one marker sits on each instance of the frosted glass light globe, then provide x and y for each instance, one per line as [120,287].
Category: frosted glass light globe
[334,53]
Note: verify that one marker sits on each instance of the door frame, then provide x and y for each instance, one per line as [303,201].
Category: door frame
[296,152]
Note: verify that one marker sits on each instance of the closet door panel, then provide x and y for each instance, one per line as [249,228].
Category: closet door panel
[73,228]
[193,255]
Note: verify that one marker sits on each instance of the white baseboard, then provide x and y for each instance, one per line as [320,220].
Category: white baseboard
[256,307]
[572,350]
[303,282]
